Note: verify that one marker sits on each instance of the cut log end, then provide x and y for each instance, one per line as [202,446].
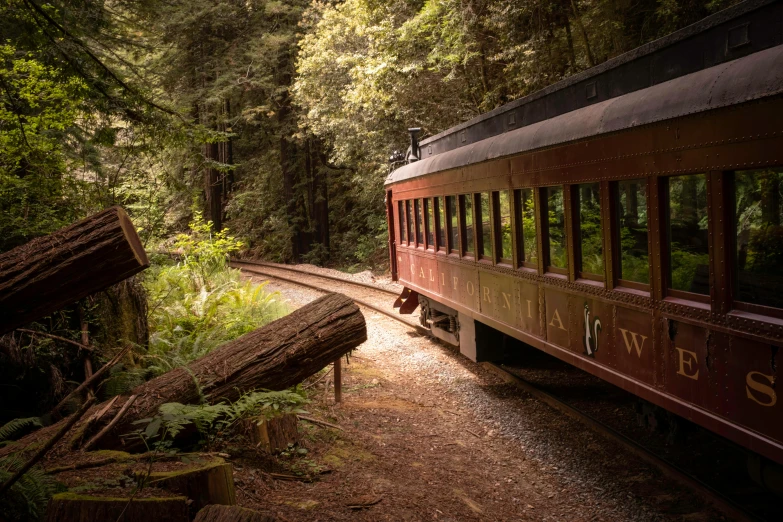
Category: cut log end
[211,482]
[274,435]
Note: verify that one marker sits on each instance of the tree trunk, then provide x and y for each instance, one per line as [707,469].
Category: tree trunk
[53,271]
[213,187]
[274,435]
[70,507]
[274,357]
[218,513]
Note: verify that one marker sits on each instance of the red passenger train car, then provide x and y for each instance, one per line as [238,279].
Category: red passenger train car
[628,220]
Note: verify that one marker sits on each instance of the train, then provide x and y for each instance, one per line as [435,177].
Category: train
[627,220]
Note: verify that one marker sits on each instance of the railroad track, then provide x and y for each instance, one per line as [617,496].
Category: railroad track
[669,469]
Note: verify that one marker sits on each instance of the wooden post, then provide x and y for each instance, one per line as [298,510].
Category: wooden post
[338,381]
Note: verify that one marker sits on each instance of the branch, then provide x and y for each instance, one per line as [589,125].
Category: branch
[113,423]
[46,447]
[97,375]
[57,337]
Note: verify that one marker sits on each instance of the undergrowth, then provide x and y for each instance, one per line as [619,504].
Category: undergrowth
[196,303]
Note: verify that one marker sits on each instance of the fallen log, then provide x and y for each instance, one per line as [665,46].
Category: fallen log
[274,357]
[53,271]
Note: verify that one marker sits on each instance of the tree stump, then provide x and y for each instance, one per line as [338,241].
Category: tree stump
[70,507]
[205,483]
[232,514]
[276,434]
[50,272]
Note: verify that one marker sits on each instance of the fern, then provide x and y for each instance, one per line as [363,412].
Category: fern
[28,497]
[10,430]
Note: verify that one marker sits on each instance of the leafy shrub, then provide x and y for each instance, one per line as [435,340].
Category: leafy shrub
[200,303]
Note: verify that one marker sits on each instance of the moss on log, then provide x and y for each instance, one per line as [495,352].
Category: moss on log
[210,482]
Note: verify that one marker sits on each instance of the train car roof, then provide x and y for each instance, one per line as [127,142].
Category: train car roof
[753,77]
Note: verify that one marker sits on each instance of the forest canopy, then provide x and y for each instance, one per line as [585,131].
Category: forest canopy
[273,118]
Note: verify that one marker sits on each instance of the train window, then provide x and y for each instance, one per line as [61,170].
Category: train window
[483,214]
[587,198]
[526,219]
[453,223]
[502,201]
[631,201]
[429,213]
[419,222]
[409,221]
[556,227]
[759,236]
[688,237]
[440,222]
[466,202]
[401,217]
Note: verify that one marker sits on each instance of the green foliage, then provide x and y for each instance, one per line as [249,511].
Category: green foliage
[200,303]
[211,420]
[11,430]
[28,497]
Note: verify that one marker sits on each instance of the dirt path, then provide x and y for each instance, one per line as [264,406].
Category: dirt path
[428,435]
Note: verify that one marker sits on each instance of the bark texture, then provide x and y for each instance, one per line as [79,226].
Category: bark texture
[275,357]
[275,434]
[212,483]
[53,271]
[68,507]
[231,514]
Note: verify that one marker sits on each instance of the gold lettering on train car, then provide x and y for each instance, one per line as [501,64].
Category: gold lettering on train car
[413,270]
[528,308]
[692,357]
[752,384]
[556,316]
[456,282]
[634,341]
[506,300]
[421,272]
[432,278]
[470,288]
[486,290]
[443,279]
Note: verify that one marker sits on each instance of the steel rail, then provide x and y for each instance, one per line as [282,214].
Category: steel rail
[361,302]
[305,272]
[670,470]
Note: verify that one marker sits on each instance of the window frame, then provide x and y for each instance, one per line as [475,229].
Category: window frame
[401,222]
[478,228]
[497,231]
[426,207]
[543,217]
[576,201]
[617,250]
[666,251]
[518,228]
[418,219]
[411,239]
[463,227]
[732,274]
[452,249]
[438,211]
